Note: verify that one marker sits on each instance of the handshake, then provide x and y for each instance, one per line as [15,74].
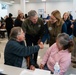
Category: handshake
[41,45]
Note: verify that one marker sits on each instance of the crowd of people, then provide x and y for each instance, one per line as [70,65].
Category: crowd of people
[33,30]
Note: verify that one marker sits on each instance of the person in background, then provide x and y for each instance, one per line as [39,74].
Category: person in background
[9,24]
[2,19]
[74,38]
[34,28]
[5,17]
[41,16]
[55,26]
[26,16]
[15,52]
[59,52]
[19,12]
[66,19]
[19,20]
[71,17]
[2,26]
[48,16]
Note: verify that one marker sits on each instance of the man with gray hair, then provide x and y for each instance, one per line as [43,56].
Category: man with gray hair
[15,52]
[34,28]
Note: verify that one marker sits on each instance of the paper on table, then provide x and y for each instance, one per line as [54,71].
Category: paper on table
[26,72]
[1,70]
[41,72]
[36,72]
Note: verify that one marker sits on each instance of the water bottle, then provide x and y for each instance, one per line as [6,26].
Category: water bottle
[56,69]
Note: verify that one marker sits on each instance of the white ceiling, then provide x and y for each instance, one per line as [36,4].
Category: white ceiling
[18,1]
[48,0]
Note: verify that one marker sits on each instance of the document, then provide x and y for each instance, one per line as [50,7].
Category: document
[26,72]
[35,72]
[41,72]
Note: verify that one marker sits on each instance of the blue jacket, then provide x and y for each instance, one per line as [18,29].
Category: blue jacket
[64,28]
[68,25]
[74,29]
[15,51]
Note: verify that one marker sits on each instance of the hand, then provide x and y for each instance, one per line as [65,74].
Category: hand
[32,67]
[39,41]
[41,66]
[72,26]
[41,45]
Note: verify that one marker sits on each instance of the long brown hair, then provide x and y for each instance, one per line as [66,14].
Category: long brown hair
[19,16]
[57,15]
[67,14]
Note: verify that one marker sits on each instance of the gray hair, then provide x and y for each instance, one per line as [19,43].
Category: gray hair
[32,13]
[64,40]
[14,32]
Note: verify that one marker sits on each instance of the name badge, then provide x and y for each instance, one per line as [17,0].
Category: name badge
[50,28]
[39,25]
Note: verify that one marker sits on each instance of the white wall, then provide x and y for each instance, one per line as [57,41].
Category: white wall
[14,9]
[50,6]
[61,6]
[3,12]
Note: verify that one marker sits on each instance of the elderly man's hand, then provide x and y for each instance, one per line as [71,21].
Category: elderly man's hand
[41,45]
[72,26]
[32,67]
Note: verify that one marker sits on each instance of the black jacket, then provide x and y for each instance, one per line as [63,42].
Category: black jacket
[9,23]
[74,29]
[18,22]
[15,51]
[69,29]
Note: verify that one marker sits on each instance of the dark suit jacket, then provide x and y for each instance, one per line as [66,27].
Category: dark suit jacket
[15,51]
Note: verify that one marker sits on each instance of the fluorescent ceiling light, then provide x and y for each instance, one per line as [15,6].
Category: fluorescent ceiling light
[26,0]
[12,1]
[5,2]
[43,0]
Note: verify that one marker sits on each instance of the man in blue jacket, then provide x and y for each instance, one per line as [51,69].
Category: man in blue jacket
[15,52]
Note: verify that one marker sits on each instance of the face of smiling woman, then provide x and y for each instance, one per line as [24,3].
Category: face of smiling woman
[53,19]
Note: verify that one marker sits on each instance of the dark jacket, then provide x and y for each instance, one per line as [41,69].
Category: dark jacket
[54,30]
[74,29]
[9,23]
[69,29]
[46,33]
[33,29]
[15,51]
[18,22]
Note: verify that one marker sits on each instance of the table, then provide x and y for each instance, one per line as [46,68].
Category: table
[10,70]
[2,32]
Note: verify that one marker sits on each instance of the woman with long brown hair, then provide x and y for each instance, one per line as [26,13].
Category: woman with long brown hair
[66,19]
[55,26]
